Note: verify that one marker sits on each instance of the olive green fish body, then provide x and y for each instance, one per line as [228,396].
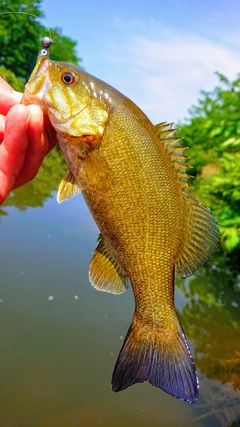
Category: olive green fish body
[139,214]
[132,176]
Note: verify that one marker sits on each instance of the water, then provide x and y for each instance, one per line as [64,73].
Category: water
[60,337]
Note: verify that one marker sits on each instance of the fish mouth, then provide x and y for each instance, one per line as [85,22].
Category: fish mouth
[38,84]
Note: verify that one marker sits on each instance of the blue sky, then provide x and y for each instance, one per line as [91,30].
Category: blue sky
[160,54]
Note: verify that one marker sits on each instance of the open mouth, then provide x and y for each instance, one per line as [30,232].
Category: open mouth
[38,84]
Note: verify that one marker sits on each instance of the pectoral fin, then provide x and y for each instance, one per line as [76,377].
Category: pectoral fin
[68,188]
[105,273]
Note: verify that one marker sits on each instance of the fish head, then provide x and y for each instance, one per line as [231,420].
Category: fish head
[66,93]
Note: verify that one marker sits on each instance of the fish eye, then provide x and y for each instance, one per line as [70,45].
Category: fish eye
[68,78]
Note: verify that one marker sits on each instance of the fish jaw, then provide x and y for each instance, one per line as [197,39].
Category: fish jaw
[38,85]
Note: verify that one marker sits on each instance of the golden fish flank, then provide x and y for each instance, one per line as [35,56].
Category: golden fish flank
[133,178]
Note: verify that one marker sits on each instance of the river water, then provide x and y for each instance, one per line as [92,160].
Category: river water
[60,337]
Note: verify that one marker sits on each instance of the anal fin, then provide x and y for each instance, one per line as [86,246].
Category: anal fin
[105,273]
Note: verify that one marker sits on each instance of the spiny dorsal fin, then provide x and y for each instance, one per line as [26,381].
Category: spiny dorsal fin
[201,231]
[105,273]
[175,151]
[68,188]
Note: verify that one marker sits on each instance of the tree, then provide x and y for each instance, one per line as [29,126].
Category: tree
[20,45]
[212,134]
[19,36]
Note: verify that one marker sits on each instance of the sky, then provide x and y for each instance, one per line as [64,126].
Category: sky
[159,53]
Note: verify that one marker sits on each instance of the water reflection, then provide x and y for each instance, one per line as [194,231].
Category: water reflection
[211,315]
[36,192]
[57,354]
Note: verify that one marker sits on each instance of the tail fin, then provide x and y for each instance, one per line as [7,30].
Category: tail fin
[166,362]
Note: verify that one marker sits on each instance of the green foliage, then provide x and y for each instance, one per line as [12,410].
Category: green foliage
[20,38]
[213,136]
[14,81]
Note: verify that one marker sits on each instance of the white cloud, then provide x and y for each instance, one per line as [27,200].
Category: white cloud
[165,72]
[196,56]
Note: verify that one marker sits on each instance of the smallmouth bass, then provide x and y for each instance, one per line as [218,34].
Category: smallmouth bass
[133,178]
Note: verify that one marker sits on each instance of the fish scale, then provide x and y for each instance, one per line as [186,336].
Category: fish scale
[133,178]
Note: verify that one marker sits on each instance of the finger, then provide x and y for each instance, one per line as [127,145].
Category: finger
[37,147]
[13,148]
[16,139]
[2,127]
[9,97]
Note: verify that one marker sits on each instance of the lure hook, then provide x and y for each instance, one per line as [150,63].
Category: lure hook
[46,43]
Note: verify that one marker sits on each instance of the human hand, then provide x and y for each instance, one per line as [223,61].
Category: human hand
[26,136]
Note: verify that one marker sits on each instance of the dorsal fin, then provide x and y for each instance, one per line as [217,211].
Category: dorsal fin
[201,231]
[175,151]
[201,237]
